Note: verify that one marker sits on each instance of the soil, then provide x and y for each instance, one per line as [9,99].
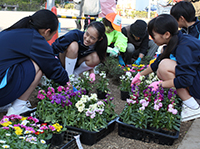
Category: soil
[113,140]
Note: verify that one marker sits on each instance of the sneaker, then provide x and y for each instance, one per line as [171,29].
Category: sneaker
[189,114]
[5,108]
[23,109]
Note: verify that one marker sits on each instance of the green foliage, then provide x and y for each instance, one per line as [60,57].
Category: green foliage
[69,6]
[24,5]
[138,14]
[145,60]
[112,68]
[102,84]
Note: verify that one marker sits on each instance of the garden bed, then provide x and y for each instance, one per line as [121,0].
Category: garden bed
[113,140]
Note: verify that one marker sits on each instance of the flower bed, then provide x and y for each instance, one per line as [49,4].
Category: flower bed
[25,132]
[75,109]
[157,111]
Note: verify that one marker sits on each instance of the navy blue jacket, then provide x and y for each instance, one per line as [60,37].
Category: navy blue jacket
[19,45]
[187,71]
[193,30]
[62,43]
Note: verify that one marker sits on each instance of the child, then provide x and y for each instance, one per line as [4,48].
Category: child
[184,73]
[81,51]
[117,42]
[25,56]
[184,13]
[139,44]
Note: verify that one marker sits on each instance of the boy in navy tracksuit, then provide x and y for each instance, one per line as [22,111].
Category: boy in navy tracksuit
[183,73]
[184,13]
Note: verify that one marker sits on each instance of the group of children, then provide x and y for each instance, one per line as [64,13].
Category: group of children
[26,55]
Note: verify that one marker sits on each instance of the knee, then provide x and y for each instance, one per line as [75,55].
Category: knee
[166,66]
[130,48]
[73,48]
[93,59]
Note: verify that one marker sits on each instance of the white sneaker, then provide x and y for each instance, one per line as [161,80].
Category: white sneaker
[23,109]
[189,114]
[5,108]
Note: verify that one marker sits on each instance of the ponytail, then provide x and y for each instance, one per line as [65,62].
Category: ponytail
[42,19]
[170,47]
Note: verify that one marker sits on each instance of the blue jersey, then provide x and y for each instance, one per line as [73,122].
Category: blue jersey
[19,45]
[187,71]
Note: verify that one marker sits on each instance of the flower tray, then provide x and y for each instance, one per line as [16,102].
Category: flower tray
[69,142]
[145,135]
[92,137]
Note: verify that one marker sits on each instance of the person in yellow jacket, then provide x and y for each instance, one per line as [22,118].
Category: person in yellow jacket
[117,42]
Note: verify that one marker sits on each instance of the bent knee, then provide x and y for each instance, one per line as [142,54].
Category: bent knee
[93,59]
[73,47]
[167,64]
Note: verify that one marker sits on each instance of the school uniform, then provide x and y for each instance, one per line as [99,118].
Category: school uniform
[193,30]
[62,43]
[187,71]
[17,72]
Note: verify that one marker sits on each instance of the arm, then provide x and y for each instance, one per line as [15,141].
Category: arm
[43,55]
[144,46]
[120,41]
[187,64]
[61,43]
[147,71]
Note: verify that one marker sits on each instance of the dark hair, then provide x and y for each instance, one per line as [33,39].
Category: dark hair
[107,23]
[162,24]
[42,19]
[101,44]
[185,9]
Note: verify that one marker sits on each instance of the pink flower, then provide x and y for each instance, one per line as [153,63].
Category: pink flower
[93,115]
[52,127]
[61,88]
[142,108]
[174,111]
[156,107]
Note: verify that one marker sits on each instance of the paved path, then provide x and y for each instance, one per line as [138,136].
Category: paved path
[7,18]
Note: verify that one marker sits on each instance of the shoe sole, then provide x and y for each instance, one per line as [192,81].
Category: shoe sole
[190,117]
[29,113]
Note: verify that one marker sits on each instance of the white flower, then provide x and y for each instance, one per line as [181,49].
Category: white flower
[2,141]
[148,81]
[86,74]
[93,97]
[20,137]
[27,132]
[8,134]
[128,74]
[80,109]
[6,146]
[103,74]
[25,122]
[122,77]
[79,103]
[151,75]
[142,77]
[33,142]
[83,99]
[43,141]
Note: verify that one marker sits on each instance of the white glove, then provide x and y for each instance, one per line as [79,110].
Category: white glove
[113,51]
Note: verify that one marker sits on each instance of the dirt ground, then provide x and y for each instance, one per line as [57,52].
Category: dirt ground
[113,140]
